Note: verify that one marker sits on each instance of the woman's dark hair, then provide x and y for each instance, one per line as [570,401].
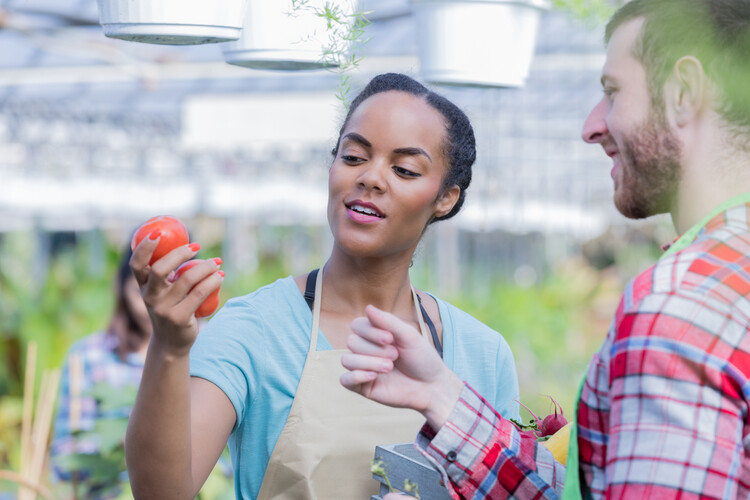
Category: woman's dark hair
[460,146]
[124,324]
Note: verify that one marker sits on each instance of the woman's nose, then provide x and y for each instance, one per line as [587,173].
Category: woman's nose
[372,176]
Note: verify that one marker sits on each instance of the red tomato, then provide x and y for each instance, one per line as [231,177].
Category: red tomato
[209,306]
[173,234]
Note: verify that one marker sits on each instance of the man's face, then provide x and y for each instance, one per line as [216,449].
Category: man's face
[636,135]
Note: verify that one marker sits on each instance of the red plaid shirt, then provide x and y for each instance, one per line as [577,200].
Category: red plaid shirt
[664,409]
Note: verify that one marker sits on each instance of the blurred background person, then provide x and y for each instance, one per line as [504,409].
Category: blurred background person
[100,375]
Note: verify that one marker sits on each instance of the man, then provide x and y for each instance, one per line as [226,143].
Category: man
[663,409]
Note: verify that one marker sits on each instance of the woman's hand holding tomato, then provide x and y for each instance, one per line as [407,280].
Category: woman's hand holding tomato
[172,299]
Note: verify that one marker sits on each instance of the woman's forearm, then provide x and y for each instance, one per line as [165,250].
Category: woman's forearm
[158,446]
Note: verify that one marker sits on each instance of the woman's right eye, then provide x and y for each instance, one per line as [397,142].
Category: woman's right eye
[351,159]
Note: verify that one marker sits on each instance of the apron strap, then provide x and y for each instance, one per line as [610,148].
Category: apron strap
[431,326]
[316,310]
[310,288]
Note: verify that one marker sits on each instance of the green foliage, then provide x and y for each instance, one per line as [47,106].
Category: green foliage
[100,474]
[11,411]
[553,328]
[594,12]
[377,468]
[70,302]
[345,39]
[411,487]
[55,306]
[104,474]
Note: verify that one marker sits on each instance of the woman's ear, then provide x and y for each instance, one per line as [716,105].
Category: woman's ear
[686,90]
[446,201]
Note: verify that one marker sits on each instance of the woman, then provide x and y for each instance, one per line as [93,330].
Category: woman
[112,358]
[264,372]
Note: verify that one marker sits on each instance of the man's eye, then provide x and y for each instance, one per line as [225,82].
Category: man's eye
[608,91]
[404,172]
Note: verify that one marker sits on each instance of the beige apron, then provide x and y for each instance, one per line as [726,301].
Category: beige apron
[326,445]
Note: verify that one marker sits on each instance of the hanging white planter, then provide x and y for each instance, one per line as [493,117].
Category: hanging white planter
[172,22]
[476,42]
[276,35]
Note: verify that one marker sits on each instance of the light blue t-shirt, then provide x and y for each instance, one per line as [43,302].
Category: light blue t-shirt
[255,347]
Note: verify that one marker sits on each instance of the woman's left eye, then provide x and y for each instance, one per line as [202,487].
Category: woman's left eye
[404,172]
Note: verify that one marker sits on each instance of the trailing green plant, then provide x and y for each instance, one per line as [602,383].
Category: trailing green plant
[377,467]
[345,31]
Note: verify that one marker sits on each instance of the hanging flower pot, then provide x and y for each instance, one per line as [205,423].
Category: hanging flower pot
[291,35]
[172,22]
[476,42]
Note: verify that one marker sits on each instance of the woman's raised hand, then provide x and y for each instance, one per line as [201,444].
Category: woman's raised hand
[172,302]
[392,363]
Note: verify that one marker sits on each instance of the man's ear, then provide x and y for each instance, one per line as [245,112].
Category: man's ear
[446,201]
[686,90]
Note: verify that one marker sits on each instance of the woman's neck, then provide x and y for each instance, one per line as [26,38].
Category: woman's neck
[352,283]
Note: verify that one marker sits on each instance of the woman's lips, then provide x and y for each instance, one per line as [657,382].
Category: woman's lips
[362,212]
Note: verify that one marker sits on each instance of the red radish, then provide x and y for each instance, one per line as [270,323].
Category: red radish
[542,428]
[553,422]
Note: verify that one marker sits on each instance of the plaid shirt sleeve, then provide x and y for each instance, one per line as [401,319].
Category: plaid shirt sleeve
[482,455]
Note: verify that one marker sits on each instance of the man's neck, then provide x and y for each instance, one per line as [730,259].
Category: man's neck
[710,185]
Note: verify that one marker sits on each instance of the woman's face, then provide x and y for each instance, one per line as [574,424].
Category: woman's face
[384,184]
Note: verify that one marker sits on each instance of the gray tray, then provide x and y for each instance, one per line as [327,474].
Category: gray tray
[403,461]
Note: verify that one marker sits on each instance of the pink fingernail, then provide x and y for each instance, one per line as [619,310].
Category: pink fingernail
[218,261]
[194,247]
[221,273]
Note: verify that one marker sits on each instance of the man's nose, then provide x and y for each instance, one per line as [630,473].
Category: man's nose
[595,126]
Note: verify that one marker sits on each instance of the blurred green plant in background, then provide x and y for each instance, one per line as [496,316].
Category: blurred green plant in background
[593,12]
[100,474]
[553,326]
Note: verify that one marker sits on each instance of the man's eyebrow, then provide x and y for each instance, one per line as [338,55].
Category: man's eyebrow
[412,151]
[357,138]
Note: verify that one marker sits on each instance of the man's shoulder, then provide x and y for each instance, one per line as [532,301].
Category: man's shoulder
[704,286]
[708,263]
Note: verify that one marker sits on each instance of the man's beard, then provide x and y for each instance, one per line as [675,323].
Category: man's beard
[650,169]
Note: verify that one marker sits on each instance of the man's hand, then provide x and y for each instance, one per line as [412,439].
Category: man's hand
[392,363]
